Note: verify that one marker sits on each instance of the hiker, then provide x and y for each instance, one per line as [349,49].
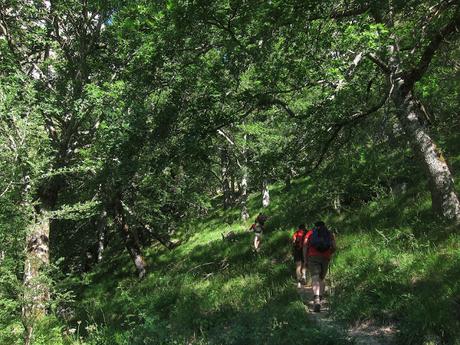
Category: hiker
[258,228]
[319,245]
[297,252]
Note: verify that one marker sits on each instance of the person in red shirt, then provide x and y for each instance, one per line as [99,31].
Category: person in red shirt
[319,245]
[297,252]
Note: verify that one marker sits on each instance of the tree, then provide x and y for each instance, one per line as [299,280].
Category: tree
[52,45]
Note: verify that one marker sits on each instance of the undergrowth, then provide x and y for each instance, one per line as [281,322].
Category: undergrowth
[396,264]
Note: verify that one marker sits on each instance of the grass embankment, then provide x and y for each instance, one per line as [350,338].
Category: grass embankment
[207,291]
[395,264]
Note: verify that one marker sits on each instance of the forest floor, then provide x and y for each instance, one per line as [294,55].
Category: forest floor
[362,334]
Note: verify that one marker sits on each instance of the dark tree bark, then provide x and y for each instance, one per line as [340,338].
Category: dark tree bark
[130,239]
[225,161]
[164,240]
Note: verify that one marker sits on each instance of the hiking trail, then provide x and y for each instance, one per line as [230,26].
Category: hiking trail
[362,334]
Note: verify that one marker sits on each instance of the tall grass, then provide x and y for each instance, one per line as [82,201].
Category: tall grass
[208,291]
[396,264]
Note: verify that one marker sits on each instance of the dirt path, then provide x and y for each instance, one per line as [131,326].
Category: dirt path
[363,334]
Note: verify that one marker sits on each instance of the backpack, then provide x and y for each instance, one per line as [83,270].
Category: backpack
[298,243]
[321,239]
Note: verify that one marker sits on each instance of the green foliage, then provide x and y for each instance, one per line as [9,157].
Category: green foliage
[207,290]
[10,307]
[168,104]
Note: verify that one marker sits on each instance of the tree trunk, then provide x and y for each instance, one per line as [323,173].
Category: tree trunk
[265,194]
[131,242]
[36,291]
[101,232]
[244,184]
[444,198]
[225,178]
[244,195]
[336,203]
[233,188]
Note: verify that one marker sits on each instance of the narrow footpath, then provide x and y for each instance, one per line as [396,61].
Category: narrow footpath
[363,334]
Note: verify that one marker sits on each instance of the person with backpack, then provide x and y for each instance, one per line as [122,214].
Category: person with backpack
[319,245]
[297,252]
[258,229]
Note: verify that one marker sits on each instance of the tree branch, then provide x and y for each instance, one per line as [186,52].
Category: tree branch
[283,105]
[221,132]
[6,189]
[9,39]
[351,120]
[417,73]
[164,241]
[227,123]
[376,60]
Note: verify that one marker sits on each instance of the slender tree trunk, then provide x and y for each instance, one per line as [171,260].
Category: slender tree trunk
[233,188]
[244,195]
[101,232]
[244,184]
[225,179]
[444,198]
[265,194]
[131,242]
[36,291]
[336,203]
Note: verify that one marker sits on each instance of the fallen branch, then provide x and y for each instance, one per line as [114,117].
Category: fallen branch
[201,265]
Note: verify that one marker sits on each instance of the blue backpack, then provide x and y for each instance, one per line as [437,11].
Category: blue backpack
[321,239]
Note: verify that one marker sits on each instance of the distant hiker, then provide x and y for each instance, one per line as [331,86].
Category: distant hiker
[258,229]
[297,251]
[319,245]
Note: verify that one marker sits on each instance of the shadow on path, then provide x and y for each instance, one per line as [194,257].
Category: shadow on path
[362,334]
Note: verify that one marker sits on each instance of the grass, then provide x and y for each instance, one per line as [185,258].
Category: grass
[207,291]
[396,264]
[401,270]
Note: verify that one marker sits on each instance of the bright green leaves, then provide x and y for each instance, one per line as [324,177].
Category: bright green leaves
[170,5]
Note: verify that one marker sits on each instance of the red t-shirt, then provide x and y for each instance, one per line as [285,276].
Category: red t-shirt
[312,251]
[299,234]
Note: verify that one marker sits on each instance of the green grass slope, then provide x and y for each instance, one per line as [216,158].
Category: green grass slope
[396,264]
[207,291]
